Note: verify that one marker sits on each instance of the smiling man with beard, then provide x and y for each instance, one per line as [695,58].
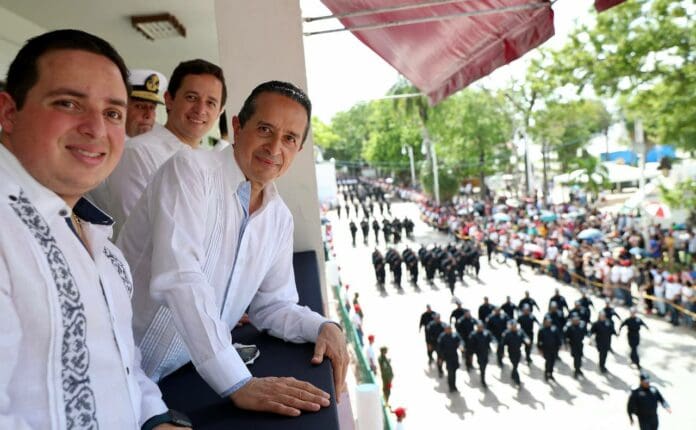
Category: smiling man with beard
[212,237]
[194,100]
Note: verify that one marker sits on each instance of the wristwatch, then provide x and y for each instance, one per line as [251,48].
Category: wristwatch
[175,418]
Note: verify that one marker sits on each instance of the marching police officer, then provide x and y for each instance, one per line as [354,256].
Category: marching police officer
[411,264]
[582,312]
[585,301]
[633,323]
[481,345]
[376,228]
[457,313]
[386,230]
[575,333]
[556,316]
[509,308]
[610,312]
[365,227]
[378,263]
[526,322]
[560,300]
[353,229]
[643,403]
[485,310]
[451,273]
[529,302]
[513,339]
[393,258]
[603,330]
[497,324]
[426,317]
[432,332]
[465,326]
[549,342]
[448,344]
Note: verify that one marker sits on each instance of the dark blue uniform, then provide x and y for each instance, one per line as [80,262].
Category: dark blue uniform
[447,349]
[514,340]
[526,323]
[465,326]
[549,342]
[432,332]
[575,334]
[497,324]
[481,345]
[603,331]
[633,324]
[643,403]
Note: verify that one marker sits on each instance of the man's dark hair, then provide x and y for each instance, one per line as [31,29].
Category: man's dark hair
[283,88]
[196,67]
[24,72]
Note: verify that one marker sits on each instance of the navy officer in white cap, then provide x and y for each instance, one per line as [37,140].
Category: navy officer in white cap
[148,86]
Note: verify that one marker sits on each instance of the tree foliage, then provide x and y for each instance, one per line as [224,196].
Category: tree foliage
[642,52]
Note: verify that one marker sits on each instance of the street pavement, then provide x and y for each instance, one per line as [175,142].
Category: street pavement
[595,402]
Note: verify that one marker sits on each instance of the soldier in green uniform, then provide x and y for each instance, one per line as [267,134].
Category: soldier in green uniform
[385,371]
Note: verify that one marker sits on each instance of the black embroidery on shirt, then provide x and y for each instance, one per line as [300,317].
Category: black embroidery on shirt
[121,269]
[78,397]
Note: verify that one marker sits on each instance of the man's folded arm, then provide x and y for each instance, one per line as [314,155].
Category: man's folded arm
[176,208]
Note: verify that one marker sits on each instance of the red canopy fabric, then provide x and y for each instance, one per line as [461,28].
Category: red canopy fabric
[602,5]
[443,56]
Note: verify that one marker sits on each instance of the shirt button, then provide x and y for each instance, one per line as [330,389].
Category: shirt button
[127,370]
[13,198]
[63,213]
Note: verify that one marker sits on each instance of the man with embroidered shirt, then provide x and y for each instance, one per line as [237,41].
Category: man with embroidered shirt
[66,348]
[210,238]
[194,100]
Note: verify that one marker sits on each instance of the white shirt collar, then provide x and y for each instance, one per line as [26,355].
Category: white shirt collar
[47,202]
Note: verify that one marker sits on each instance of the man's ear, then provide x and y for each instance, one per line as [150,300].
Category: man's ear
[8,112]
[168,101]
[236,127]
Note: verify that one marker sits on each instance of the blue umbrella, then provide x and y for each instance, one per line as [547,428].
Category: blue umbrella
[547,216]
[637,251]
[501,217]
[590,233]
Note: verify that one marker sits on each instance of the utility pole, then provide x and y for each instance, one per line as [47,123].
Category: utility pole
[430,148]
[407,149]
[642,148]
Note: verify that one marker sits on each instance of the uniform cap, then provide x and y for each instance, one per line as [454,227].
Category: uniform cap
[400,412]
[148,85]
[644,376]
[371,338]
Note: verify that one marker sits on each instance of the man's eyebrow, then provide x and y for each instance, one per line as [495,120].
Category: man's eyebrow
[268,124]
[81,95]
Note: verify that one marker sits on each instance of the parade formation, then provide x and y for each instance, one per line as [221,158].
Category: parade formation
[514,330]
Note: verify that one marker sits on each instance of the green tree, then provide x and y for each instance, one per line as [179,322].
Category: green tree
[593,176]
[473,128]
[642,52]
[566,127]
[324,136]
[683,195]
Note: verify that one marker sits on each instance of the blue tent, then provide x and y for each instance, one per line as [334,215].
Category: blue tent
[628,157]
[659,152]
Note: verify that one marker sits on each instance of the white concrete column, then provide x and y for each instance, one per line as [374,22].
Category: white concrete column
[261,40]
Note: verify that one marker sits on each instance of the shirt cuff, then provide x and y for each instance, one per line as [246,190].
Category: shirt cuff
[328,322]
[235,387]
[224,370]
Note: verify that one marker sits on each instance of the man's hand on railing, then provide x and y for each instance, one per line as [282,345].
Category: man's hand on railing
[332,344]
[283,396]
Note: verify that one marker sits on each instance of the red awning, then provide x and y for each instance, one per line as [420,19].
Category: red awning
[602,5]
[443,46]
